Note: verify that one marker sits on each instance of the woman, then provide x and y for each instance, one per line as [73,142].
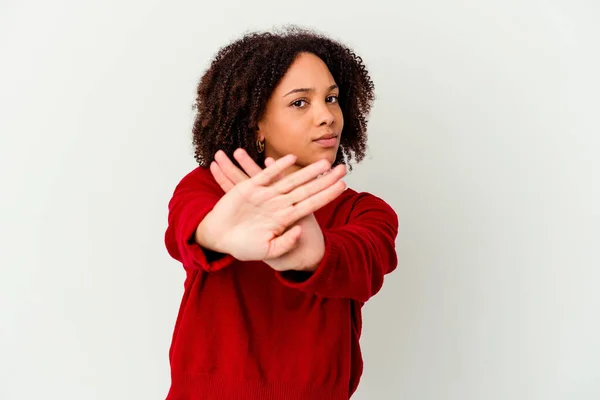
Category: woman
[280,256]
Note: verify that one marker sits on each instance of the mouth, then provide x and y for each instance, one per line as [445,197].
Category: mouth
[328,136]
[329,140]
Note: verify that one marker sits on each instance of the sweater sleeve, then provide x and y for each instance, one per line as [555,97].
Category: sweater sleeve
[192,199]
[357,255]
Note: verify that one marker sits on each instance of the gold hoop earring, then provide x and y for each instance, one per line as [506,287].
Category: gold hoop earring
[260,145]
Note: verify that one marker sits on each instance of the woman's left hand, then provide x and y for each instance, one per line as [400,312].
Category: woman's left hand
[310,247]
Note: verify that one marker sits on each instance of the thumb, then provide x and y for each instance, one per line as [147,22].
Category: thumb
[284,243]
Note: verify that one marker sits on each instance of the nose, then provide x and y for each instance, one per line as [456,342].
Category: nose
[324,116]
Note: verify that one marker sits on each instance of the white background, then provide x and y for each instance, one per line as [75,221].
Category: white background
[484,138]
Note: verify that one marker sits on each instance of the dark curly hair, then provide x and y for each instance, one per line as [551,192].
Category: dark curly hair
[233,93]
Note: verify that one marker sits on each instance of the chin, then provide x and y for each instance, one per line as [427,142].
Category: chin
[329,156]
[332,155]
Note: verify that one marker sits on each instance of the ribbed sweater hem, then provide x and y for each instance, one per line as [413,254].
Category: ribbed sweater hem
[214,387]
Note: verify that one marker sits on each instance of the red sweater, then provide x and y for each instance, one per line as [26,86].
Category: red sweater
[245,331]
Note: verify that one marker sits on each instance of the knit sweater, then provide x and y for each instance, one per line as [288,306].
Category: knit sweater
[246,331]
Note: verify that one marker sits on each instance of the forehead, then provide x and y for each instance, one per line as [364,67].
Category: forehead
[308,71]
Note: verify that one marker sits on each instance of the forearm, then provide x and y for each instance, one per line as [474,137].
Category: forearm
[186,238]
[356,258]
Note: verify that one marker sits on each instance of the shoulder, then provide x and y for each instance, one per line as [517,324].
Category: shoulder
[199,179]
[364,200]
[351,205]
[198,174]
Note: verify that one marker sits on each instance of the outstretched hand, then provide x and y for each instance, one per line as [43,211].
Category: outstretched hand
[308,247]
[251,220]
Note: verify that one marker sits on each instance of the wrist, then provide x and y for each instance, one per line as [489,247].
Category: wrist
[310,268]
[204,238]
[312,265]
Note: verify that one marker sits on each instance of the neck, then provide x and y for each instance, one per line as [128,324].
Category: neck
[291,169]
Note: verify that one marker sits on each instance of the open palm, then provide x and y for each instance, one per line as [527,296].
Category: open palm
[251,220]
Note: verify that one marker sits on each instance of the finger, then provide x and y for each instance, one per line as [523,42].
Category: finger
[315,186]
[220,177]
[268,162]
[284,243]
[267,175]
[302,176]
[247,163]
[313,203]
[232,172]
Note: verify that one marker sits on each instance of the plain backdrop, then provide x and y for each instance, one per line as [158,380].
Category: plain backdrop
[484,138]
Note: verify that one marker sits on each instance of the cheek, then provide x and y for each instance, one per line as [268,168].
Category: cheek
[339,117]
[292,126]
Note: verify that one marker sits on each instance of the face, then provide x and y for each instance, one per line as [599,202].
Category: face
[303,116]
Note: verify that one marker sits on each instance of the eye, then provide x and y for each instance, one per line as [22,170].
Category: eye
[300,103]
[333,99]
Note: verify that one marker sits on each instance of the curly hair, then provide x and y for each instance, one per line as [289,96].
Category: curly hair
[233,92]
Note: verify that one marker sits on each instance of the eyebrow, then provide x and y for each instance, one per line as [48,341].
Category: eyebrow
[303,90]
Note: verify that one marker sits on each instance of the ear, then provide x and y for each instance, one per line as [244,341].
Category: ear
[260,130]
[259,134]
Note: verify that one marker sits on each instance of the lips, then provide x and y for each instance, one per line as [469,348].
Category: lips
[327,141]
[328,136]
